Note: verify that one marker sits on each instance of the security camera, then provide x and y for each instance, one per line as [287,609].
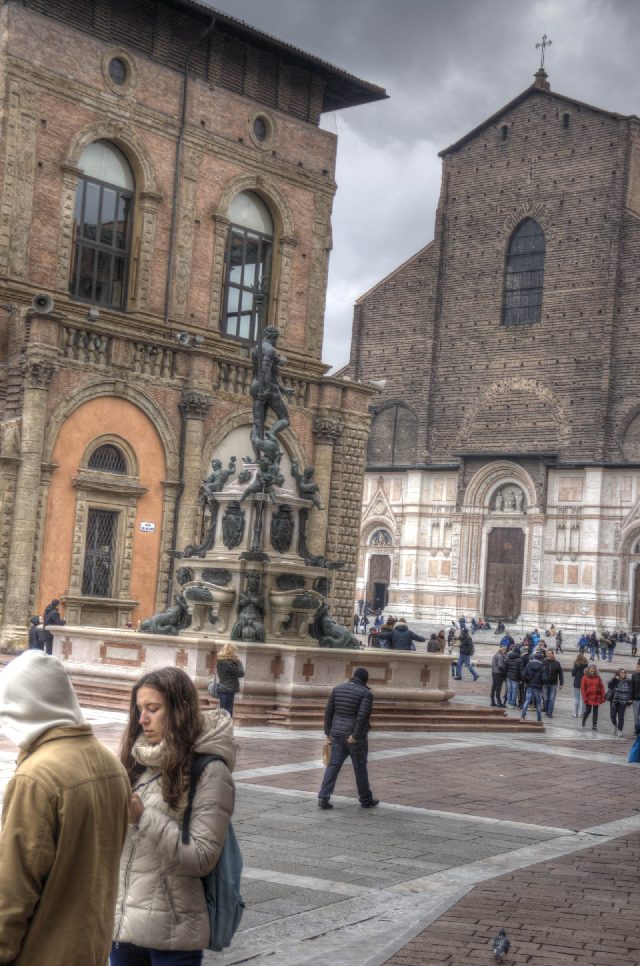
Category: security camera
[198,340]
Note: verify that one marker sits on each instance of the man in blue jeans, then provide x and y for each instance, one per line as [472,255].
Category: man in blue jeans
[534,678]
[554,680]
[346,723]
[466,653]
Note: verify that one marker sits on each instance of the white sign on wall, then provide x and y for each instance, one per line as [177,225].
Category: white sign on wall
[147,527]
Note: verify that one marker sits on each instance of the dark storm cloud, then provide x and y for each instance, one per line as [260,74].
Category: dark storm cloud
[447,65]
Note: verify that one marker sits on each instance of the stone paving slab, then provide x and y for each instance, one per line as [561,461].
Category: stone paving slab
[581,909]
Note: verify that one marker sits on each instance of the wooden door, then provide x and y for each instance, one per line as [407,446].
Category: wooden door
[505,565]
[379,577]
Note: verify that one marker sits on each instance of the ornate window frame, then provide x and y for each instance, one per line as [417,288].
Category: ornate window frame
[115,492]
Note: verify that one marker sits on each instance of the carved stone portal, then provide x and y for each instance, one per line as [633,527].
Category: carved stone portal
[509,499]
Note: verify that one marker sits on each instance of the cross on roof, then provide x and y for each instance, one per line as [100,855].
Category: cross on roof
[541,46]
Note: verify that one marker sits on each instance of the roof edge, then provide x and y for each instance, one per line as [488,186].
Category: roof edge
[365,92]
[393,272]
[533,89]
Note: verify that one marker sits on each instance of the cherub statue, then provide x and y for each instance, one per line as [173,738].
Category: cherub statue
[216,480]
[266,478]
[307,488]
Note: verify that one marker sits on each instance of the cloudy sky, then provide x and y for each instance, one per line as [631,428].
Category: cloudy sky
[447,65]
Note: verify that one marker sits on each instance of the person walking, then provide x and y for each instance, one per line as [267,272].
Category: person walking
[594,645]
[64,821]
[467,650]
[498,674]
[229,669]
[619,693]
[161,912]
[559,641]
[346,723]
[577,671]
[634,645]
[533,678]
[593,695]
[401,638]
[554,679]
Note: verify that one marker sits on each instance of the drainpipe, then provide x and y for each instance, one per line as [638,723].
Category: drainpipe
[169,289]
[176,177]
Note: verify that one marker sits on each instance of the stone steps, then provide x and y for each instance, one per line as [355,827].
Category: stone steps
[305,714]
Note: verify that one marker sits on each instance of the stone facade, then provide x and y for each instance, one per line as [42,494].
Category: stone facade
[506,454]
[157,379]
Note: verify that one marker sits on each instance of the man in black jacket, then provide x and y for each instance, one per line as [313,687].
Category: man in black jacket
[554,679]
[346,722]
[535,675]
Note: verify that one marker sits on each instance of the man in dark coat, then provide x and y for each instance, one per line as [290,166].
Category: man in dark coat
[401,638]
[535,676]
[466,653]
[554,680]
[51,616]
[346,723]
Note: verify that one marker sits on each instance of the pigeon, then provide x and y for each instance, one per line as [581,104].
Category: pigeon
[501,945]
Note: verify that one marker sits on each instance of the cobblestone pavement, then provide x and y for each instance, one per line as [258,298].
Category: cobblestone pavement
[537,833]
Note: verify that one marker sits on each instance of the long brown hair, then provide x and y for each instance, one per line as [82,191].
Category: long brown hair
[183,728]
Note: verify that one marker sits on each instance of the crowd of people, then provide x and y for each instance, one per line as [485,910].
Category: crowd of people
[530,674]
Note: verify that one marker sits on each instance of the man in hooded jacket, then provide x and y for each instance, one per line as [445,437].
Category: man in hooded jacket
[400,638]
[64,821]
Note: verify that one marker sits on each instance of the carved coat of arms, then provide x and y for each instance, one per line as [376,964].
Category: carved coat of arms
[282,527]
[233,525]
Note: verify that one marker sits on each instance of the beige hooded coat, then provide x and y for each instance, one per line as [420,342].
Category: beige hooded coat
[65,816]
[161,902]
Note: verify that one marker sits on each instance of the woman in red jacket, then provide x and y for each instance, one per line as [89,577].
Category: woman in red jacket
[593,694]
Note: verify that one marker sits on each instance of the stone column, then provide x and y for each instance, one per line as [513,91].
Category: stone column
[326,432]
[194,406]
[38,373]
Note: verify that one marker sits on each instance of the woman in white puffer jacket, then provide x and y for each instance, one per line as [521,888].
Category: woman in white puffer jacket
[161,913]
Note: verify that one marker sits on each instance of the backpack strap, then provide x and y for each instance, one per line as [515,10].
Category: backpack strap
[198,765]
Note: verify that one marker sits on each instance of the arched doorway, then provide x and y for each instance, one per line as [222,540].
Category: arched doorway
[378,582]
[503,576]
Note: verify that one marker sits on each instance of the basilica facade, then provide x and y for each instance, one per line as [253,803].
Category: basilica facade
[162,175]
[503,466]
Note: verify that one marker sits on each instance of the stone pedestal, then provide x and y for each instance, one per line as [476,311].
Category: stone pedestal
[283,684]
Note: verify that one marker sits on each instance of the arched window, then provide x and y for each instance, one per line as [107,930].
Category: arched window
[102,226]
[248,263]
[108,459]
[524,275]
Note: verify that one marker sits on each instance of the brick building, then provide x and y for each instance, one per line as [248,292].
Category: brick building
[504,458]
[157,158]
